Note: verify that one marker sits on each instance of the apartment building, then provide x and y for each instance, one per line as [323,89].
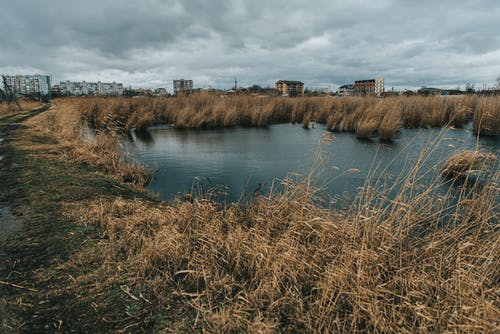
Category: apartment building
[346,90]
[289,88]
[369,87]
[83,88]
[28,85]
[184,86]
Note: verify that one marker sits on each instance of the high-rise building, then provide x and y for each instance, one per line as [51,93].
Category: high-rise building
[289,87]
[379,87]
[28,85]
[184,86]
[83,88]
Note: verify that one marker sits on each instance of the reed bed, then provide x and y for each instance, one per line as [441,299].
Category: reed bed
[366,117]
[282,263]
[487,117]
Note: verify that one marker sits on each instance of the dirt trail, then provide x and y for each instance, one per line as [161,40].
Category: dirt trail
[43,289]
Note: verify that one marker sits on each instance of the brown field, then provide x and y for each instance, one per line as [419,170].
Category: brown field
[366,117]
[282,263]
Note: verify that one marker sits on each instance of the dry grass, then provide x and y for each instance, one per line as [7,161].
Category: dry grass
[463,163]
[487,117]
[390,124]
[8,108]
[64,123]
[283,263]
[364,116]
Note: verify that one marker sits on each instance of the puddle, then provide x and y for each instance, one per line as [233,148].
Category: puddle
[9,224]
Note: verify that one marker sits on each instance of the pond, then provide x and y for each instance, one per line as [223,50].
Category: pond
[247,160]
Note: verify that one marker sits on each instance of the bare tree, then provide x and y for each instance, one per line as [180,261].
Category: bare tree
[9,94]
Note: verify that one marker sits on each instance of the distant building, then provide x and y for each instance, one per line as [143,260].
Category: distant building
[184,86]
[289,88]
[369,87]
[424,90]
[160,92]
[55,91]
[83,88]
[317,91]
[138,92]
[346,90]
[28,85]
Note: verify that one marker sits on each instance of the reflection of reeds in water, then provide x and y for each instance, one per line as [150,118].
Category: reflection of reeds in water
[365,116]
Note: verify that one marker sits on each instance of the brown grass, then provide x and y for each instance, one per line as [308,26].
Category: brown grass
[8,108]
[64,123]
[487,117]
[364,116]
[462,163]
[285,264]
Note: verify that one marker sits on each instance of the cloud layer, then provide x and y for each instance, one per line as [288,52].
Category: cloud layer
[149,43]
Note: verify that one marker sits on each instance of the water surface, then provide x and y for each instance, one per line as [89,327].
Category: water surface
[246,160]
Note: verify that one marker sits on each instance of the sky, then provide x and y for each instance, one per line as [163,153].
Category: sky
[149,43]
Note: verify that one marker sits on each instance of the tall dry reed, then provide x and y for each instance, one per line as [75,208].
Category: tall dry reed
[487,117]
[365,116]
[463,163]
[102,151]
[413,261]
[284,264]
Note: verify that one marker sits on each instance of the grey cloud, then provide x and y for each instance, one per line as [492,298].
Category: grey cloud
[153,41]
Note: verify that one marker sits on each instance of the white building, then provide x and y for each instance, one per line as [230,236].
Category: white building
[379,86]
[28,85]
[83,88]
[182,85]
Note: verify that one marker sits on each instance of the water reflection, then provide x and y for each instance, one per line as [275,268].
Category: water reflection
[247,160]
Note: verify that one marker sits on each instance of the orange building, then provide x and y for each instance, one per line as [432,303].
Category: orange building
[370,87]
[289,87]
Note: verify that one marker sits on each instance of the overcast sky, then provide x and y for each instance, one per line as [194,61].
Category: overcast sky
[148,43]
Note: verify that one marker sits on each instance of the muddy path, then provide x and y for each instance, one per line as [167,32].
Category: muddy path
[10,223]
[42,289]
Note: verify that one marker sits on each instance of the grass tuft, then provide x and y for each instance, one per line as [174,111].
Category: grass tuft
[461,164]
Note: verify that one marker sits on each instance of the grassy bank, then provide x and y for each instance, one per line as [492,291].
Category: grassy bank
[43,287]
[278,264]
[366,117]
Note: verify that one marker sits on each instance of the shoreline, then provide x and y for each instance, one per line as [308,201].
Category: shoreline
[98,253]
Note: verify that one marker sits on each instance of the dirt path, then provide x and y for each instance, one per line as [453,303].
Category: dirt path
[41,289]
